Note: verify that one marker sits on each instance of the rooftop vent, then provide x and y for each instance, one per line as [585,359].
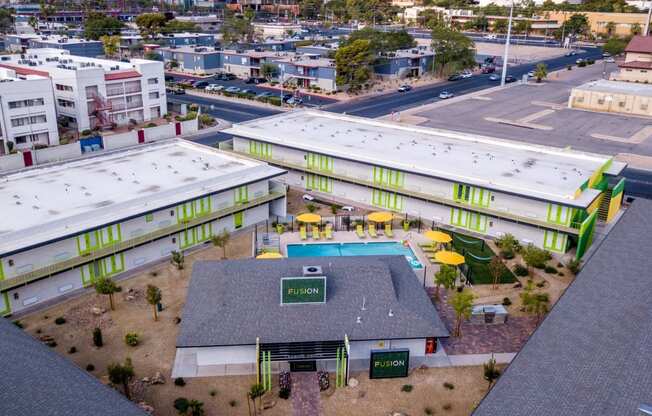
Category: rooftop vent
[312,271]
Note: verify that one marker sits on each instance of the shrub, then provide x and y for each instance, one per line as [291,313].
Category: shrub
[284,394]
[406,388]
[541,283]
[311,207]
[449,386]
[213,393]
[560,274]
[569,67]
[60,320]
[181,404]
[447,406]
[520,270]
[72,350]
[131,339]
[19,324]
[51,344]
[193,107]
[233,403]
[507,254]
[573,265]
[582,64]
[324,382]
[206,120]
[97,337]
[179,381]
[428,411]
[150,125]
[507,301]
[550,269]
[590,61]
[86,132]
[90,367]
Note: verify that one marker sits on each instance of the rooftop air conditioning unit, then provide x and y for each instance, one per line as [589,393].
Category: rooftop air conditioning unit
[312,271]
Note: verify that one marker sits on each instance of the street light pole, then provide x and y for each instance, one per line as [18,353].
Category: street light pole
[647,22]
[506,54]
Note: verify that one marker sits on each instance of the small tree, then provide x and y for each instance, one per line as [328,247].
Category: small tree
[121,374]
[496,269]
[541,72]
[446,277]
[535,256]
[507,242]
[106,286]
[491,373]
[195,408]
[154,298]
[256,391]
[221,240]
[268,71]
[111,44]
[534,302]
[177,258]
[462,303]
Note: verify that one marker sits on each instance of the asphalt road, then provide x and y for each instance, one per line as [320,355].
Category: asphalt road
[378,106]
[232,111]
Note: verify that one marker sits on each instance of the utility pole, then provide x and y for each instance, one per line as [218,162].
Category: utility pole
[506,54]
[647,22]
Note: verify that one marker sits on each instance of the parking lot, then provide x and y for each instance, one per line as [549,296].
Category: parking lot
[538,113]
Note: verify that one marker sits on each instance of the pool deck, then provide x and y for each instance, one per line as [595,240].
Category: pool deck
[413,238]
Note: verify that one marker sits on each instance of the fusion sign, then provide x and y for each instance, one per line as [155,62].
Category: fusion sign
[389,363]
[299,290]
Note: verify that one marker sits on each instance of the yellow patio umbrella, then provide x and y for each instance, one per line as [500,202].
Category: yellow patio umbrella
[438,236]
[309,218]
[449,257]
[270,255]
[380,216]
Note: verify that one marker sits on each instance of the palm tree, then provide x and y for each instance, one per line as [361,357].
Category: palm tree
[221,240]
[540,72]
[154,298]
[462,303]
[106,286]
[177,258]
[446,277]
[121,374]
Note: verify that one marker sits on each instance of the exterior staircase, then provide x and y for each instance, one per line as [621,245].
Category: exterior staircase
[603,210]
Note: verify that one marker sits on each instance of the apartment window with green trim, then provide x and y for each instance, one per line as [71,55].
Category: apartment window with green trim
[238,219]
[388,177]
[241,195]
[260,149]
[149,217]
[321,163]
[389,200]
[471,195]
[555,241]
[319,183]
[202,206]
[459,217]
[559,214]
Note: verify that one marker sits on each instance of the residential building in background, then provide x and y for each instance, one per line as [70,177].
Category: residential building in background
[97,93]
[272,30]
[67,224]
[544,196]
[599,21]
[75,46]
[27,111]
[405,63]
[360,308]
[628,91]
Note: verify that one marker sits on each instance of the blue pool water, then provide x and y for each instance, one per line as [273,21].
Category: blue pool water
[354,249]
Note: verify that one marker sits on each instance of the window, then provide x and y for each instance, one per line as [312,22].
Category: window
[153,95]
[23,121]
[241,195]
[388,177]
[31,137]
[149,217]
[65,103]
[601,101]
[152,81]
[61,87]
[621,104]
[319,162]
[10,262]
[171,213]
[259,149]
[319,183]
[27,103]
[579,99]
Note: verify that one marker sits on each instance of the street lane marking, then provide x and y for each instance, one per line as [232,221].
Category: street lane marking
[636,138]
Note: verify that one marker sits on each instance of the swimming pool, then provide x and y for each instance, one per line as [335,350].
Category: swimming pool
[354,249]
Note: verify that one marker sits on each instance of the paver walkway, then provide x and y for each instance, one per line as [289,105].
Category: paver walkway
[484,339]
[305,394]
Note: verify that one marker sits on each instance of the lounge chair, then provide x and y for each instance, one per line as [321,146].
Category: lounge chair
[315,232]
[328,231]
[360,231]
[388,231]
[302,232]
[372,230]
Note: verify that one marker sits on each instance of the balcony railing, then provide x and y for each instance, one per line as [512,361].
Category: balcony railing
[135,104]
[132,90]
[114,91]
[71,263]
[573,229]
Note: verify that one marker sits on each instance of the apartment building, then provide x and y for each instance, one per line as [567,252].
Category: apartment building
[75,46]
[599,22]
[97,93]
[66,224]
[405,63]
[27,111]
[628,91]
[544,196]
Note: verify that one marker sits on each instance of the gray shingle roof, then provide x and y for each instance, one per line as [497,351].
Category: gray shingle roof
[592,355]
[233,302]
[35,380]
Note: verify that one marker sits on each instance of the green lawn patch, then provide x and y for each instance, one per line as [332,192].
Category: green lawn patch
[478,255]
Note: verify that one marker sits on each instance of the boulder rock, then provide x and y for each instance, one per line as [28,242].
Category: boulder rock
[146,408]
[97,311]
[157,379]
[353,382]
[268,404]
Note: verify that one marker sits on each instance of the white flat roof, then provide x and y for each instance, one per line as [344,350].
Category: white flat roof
[61,199]
[617,87]
[542,172]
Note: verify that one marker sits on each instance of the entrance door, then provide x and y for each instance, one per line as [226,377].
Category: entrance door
[303,366]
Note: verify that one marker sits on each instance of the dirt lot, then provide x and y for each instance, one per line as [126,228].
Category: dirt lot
[383,397]
[522,53]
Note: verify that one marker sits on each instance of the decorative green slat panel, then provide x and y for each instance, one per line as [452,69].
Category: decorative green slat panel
[238,219]
[5,306]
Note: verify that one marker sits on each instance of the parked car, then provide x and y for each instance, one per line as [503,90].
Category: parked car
[606,54]
[265,94]
[169,78]
[225,77]
[455,77]
[200,84]
[490,36]
[255,80]
[466,74]
[444,95]
[294,101]
[285,97]
[571,53]
[509,78]
[530,74]
[232,90]
[404,88]
[494,77]
[348,208]
[214,87]
[579,61]
[175,91]
[610,59]
[307,197]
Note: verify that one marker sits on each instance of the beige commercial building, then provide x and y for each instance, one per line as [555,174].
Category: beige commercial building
[599,21]
[629,91]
